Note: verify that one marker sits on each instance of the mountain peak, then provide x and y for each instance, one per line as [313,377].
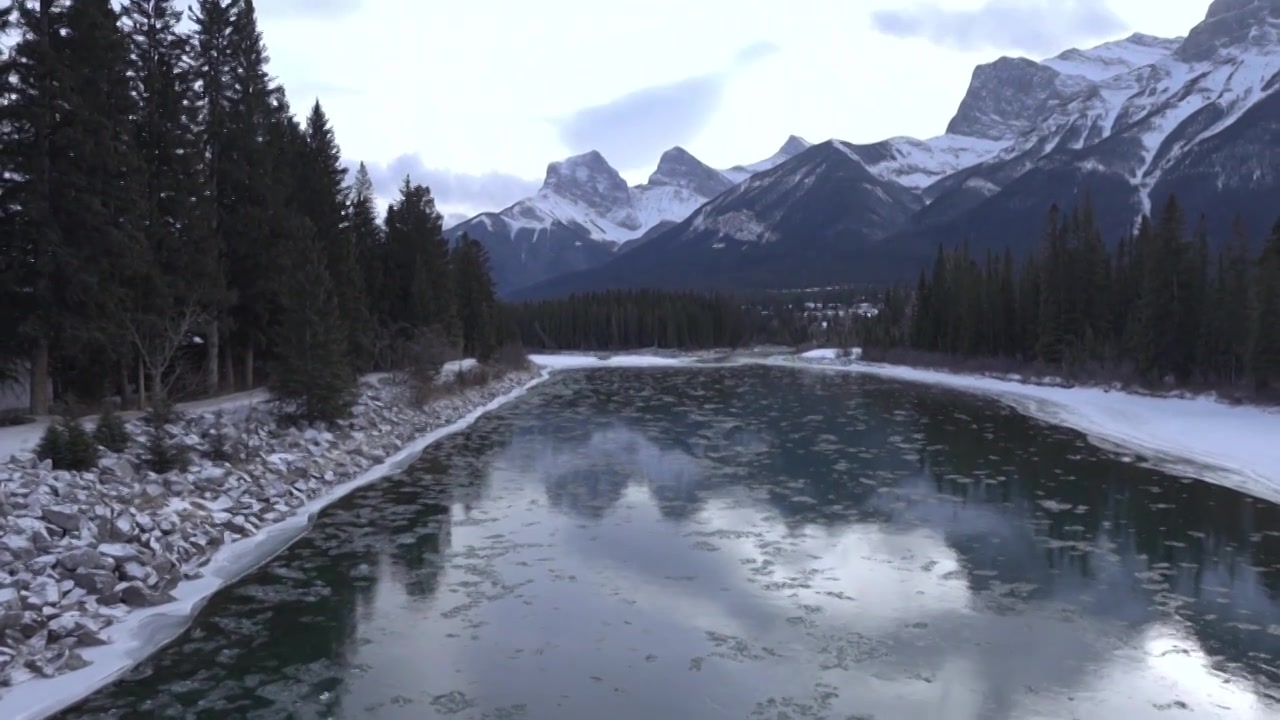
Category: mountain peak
[1230,24]
[794,146]
[1008,96]
[1219,8]
[588,179]
[679,168]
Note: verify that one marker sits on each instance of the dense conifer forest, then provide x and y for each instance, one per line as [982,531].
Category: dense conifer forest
[624,319]
[1157,307]
[172,227]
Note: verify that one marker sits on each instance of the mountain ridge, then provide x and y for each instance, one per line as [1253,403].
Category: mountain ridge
[585,212]
[1123,121]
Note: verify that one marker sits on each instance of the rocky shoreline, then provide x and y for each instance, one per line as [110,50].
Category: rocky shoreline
[80,550]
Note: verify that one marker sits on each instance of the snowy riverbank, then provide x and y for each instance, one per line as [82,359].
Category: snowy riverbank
[99,569]
[1230,445]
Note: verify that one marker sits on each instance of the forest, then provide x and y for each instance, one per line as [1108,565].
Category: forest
[172,228]
[1156,308]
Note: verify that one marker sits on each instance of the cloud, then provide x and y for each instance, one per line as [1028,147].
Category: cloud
[470,192]
[310,8]
[1034,26]
[632,130]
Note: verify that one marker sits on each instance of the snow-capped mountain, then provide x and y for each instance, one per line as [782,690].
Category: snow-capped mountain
[585,211]
[1128,121]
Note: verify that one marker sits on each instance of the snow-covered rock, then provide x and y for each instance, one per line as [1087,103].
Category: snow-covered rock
[78,551]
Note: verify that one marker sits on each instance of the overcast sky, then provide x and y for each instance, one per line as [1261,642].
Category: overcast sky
[474,98]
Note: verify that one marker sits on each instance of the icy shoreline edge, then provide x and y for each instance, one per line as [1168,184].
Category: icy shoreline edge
[1227,456]
[1227,445]
[144,631]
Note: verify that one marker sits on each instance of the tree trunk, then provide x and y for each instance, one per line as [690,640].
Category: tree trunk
[142,385]
[40,395]
[125,395]
[229,367]
[248,366]
[211,344]
[157,385]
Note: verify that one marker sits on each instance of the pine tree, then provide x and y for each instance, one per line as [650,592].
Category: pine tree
[311,377]
[213,68]
[248,202]
[323,199]
[1264,343]
[35,76]
[110,431]
[418,256]
[1233,320]
[184,285]
[97,197]
[476,299]
[368,239]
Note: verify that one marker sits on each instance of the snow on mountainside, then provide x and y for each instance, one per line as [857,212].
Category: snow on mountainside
[917,164]
[791,148]
[1113,58]
[584,192]
[1126,122]
[1137,122]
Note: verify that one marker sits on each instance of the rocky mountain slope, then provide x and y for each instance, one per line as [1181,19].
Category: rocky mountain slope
[1128,122]
[585,213]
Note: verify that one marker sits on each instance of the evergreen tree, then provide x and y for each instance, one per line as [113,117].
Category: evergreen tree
[182,291]
[248,197]
[313,380]
[476,299]
[97,196]
[213,70]
[368,239]
[110,431]
[37,89]
[1264,343]
[323,198]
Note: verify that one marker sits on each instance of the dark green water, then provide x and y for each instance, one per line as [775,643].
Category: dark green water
[748,543]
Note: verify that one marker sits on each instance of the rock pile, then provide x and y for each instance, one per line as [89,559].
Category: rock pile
[80,550]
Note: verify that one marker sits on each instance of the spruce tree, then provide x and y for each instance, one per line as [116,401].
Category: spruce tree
[475,298]
[37,91]
[182,292]
[1264,342]
[368,239]
[248,199]
[323,203]
[214,70]
[311,376]
[110,431]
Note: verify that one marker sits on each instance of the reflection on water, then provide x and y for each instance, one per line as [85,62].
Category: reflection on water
[748,543]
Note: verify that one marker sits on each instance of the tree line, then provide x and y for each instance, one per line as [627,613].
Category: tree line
[629,319]
[1157,306]
[165,213]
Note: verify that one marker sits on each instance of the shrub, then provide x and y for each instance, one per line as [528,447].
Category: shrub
[111,432]
[82,449]
[423,355]
[511,356]
[68,446]
[53,445]
[218,448]
[164,455]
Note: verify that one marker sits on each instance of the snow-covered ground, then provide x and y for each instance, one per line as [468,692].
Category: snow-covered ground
[24,438]
[1230,445]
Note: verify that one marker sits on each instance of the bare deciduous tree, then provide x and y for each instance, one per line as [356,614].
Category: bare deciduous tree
[157,339]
